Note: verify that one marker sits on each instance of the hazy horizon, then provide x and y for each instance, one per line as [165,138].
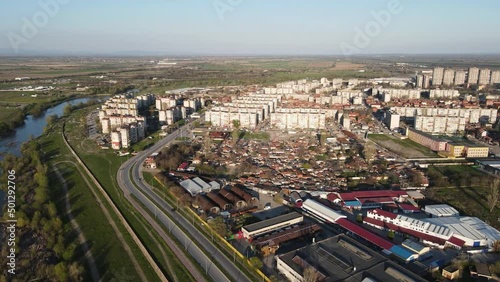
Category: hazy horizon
[248,28]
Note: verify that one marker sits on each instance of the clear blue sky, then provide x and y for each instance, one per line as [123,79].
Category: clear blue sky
[250,27]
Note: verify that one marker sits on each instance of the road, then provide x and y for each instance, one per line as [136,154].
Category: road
[132,167]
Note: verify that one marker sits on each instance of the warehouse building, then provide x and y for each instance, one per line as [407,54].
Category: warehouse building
[341,258]
[440,210]
[320,211]
[272,224]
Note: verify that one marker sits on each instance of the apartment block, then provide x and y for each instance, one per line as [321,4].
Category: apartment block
[448,77]
[443,93]
[495,77]
[401,93]
[298,119]
[392,119]
[473,76]
[484,76]
[436,124]
[437,76]
[459,77]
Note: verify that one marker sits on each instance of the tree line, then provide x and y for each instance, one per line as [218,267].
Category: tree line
[43,250]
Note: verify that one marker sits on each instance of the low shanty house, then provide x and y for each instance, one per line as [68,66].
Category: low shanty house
[237,202]
[219,200]
[249,198]
[201,202]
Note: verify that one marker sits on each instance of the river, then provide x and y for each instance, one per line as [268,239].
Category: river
[33,126]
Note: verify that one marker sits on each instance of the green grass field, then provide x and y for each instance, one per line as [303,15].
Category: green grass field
[403,147]
[105,246]
[104,164]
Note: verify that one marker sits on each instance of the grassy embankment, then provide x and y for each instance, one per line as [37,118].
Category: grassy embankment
[104,165]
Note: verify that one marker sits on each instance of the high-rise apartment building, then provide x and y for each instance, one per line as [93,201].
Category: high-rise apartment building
[495,77]
[473,76]
[484,76]
[448,77]
[459,77]
[437,76]
[420,81]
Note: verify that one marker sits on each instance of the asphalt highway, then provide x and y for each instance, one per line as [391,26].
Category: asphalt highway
[130,174]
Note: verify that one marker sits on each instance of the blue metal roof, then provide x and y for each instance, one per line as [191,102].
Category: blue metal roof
[401,252]
[355,203]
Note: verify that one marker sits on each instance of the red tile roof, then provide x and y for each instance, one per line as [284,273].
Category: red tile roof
[365,234]
[456,241]
[408,207]
[385,213]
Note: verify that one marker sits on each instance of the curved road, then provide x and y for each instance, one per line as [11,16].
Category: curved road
[132,167]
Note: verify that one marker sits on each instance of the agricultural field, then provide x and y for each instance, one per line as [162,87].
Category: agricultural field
[402,147]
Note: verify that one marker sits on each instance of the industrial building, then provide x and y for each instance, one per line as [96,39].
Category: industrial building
[197,185]
[321,211]
[440,210]
[341,258]
[260,228]
[455,231]
[269,243]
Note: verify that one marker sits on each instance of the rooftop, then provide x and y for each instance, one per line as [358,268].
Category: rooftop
[341,258]
[272,221]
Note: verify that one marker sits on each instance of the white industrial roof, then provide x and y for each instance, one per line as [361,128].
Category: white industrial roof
[469,227]
[441,210]
[201,183]
[192,187]
[426,225]
[322,210]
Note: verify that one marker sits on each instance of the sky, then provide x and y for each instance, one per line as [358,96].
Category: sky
[248,27]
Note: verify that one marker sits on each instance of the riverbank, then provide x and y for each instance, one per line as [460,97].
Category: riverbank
[14,117]
[33,126]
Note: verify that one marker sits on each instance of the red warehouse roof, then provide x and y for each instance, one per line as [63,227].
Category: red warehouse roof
[365,234]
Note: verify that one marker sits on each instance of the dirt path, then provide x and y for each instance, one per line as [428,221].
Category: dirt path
[81,237]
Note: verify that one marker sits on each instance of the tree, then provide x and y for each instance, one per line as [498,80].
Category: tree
[67,109]
[493,194]
[310,274]
[256,262]
[359,217]
[391,234]
[61,271]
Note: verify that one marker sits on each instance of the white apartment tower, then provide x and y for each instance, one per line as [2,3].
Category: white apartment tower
[459,77]
[495,77]
[448,77]
[484,76]
[473,76]
[437,76]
